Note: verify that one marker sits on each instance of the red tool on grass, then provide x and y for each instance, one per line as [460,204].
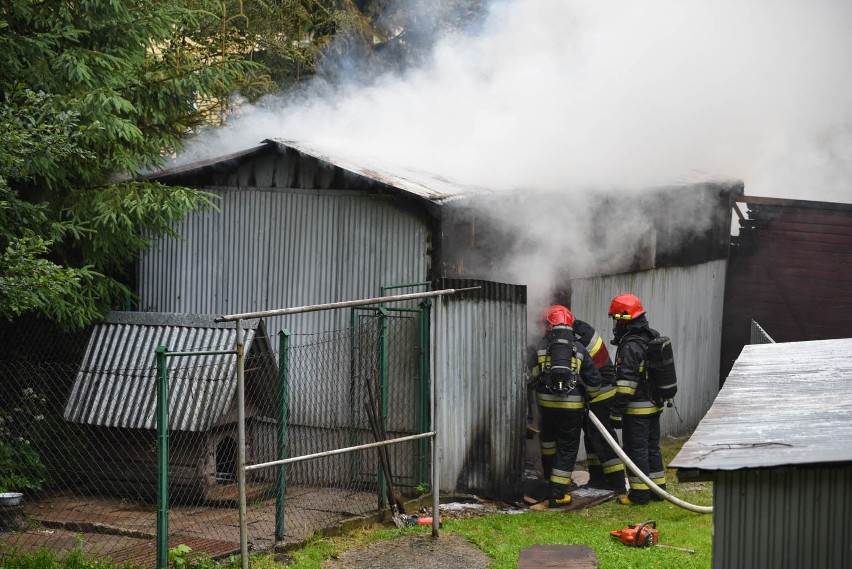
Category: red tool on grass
[643,535]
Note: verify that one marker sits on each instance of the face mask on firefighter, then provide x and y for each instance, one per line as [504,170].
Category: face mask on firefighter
[619,327]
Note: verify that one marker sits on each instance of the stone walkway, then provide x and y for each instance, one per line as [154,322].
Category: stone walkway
[126,531]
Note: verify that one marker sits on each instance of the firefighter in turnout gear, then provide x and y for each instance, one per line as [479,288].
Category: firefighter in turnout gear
[565,379]
[606,469]
[633,406]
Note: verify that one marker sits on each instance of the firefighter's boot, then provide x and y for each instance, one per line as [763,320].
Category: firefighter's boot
[624,500]
[616,482]
[559,495]
[556,502]
[596,476]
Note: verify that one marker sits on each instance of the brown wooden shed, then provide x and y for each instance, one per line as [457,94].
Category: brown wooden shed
[789,270]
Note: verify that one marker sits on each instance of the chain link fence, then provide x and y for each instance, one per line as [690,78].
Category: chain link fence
[758,335]
[78,435]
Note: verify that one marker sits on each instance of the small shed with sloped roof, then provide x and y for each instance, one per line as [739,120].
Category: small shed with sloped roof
[303,224]
[113,402]
[777,445]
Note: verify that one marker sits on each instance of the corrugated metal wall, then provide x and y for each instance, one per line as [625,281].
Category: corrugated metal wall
[684,303]
[275,248]
[783,518]
[478,344]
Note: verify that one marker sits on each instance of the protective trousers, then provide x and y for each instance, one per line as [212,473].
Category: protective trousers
[560,441]
[642,446]
[606,469]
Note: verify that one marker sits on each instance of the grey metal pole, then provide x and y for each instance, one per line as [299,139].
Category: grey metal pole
[281,429]
[338,451]
[345,304]
[436,467]
[241,443]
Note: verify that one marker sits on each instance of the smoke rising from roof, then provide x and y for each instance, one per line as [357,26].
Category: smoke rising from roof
[611,93]
[570,95]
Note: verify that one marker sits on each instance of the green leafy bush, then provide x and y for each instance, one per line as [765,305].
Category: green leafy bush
[21,467]
[183,557]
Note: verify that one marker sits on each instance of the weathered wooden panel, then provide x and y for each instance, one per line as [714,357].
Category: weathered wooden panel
[790,271]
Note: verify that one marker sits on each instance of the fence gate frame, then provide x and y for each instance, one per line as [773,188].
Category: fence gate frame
[162,354]
[385,313]
[242,468]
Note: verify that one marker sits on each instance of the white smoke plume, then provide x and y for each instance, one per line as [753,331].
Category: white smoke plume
[571,95]
[551,94]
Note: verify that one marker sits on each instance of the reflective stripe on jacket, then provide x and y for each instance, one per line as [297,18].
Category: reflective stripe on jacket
[633,392]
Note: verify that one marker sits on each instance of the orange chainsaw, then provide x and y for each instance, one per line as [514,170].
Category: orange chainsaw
[643,535]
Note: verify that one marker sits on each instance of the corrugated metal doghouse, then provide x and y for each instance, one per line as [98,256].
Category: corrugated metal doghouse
[114,398]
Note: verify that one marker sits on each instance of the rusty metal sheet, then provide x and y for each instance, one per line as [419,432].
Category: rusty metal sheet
[782,404]
[582,498]
[561,556]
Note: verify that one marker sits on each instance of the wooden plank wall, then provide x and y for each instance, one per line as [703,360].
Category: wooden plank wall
[790,269]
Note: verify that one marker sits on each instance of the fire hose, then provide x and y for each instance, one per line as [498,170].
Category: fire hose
[635,469]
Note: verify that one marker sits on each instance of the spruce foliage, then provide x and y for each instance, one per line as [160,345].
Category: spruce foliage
[91,93]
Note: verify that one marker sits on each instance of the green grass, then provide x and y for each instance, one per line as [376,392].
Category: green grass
[46,559]
[503,536]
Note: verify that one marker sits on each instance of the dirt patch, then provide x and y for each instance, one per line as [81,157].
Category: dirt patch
[419,550]
[414,551]
[448,551]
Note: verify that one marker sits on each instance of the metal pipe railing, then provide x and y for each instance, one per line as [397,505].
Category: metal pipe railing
[344,304]
[337,451]
[243,468]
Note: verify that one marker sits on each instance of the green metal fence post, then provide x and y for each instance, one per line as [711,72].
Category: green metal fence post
[162,460]
[283,416]
[425,315]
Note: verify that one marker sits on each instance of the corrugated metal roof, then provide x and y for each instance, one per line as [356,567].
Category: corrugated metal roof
[782,404]
[410,181]
[116,383]
[422,184]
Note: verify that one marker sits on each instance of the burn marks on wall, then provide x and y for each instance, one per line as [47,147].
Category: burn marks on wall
[514,237]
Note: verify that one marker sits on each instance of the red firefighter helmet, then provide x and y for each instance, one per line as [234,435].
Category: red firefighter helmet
[558,314]
[626,307]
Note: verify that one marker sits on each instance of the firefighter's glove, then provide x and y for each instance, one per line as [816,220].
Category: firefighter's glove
[615,421]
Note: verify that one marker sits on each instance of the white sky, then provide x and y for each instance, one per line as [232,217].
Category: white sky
[562,93]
